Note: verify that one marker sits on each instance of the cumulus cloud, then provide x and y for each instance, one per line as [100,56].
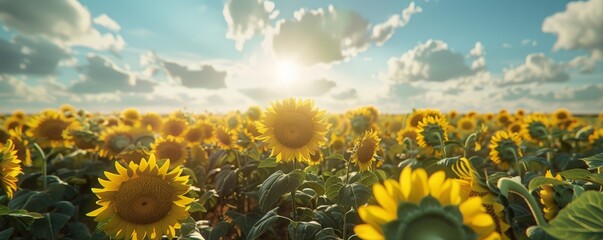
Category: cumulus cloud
[430,61]
[478,52]
[586,93]
[103,76]
[207,77]
[331,35]
[580,26]
[347,94]
[30,56]
[536,69]
[105,21]
[384,31]
[245,18]
[583,64]
[63,21]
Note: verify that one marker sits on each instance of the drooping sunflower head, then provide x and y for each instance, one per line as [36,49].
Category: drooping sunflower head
[535,128]
[85,139]
[293,128]
[9,168]
[174,126]
[115,139]
[151,121]
[361,120]
[142,200]
[504,149]
[419,206]
[225,138]
[254,113]
[51,129]
[432,131]
[172,148]
[365,150]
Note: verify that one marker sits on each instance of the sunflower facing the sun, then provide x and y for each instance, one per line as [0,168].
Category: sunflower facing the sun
[293,128]
[51,129]
[142,200]
[365,150]
[9,168]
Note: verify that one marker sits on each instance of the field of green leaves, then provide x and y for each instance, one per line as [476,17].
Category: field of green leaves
[292,171]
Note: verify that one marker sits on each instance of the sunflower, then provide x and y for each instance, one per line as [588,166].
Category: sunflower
[20,114]
[561,116]
[142,200]
[111,121]
[131,114]
[596,137]
[520,113]
[535,128]
[472,185]
[547,197]
[85,139]
[504,119]
[51,129]
[151,121]
[315,158]
[209,131]
[13,122]
[365,150]
[251,131]
[194,134]
[21,143]
[466,124]
[9,168]
[225,138]
[515,127]
[172,148]
[254,113]
[174,126]
[408,132]
[116,139]
[293,129]
[504,149]
[134,153]
[233,120]
[337,142]
[419,206]
[453,114]
[361,120]
[432,131]
[395,126]
[417,116]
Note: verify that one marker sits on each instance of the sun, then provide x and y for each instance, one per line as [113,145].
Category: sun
[287,71]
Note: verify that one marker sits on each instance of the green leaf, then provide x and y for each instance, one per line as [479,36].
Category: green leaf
[5,234]
[244,221]
[278,184]
[537,233]
[314,185]
[268,163]
[263,224]
[335,157]
[509,185]
[539,181]
[49,226]
[197,207]
[354,195]
[225,181]
[583,174]
[365,178]
[219,231]
[332,187]
[581,219]
[188,226]
[78,230]
[594,162]
[326,234]
[303,230]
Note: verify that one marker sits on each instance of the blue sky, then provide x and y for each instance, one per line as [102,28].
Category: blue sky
[226,55]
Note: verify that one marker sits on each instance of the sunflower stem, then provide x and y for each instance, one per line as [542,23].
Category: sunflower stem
[442,145]
[345,225]
[294,208]
[44,165]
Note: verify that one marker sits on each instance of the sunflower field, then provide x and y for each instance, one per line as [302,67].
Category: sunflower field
[293,171]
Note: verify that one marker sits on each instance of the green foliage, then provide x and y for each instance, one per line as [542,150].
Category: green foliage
[582,219]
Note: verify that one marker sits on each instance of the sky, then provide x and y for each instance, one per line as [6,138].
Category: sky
[220,56]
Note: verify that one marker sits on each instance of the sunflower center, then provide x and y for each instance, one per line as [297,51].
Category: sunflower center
[366,151]
[561,115]
[144,200]
[174,128]
[224,137]
[169,150]
[52,129]
[467,125]
[194,135]
[293,129]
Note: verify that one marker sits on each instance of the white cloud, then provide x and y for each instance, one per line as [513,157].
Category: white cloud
[526,42]
[384,31]
[245,18]
[105,21]
[537,68]
[206,77]
[66,22]
[347,94]
[103,76]
[430,61]
[583,64]
[478,52]
[30,56]
[580,26]
[506,45]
